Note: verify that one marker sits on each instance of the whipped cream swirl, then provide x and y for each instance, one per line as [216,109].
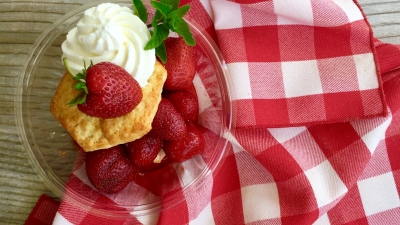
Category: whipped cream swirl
[110,33]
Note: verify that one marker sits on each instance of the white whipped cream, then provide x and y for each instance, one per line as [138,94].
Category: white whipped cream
[110,33]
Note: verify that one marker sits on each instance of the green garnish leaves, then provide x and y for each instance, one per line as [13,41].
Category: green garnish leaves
[168,16]
[173,3]
[158,36]
[161,52]
[140,10]
[163,8]
[179,13]
[80,78]
[183,30]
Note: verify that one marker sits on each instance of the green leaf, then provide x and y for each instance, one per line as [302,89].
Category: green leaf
[79,99]
[179,13]
[82,100]
[168,16]
[79,86]
[140,10]
[79,76]
[173,3]
[163,8]
[184,31]
[160,34]
[157,17]
[161,52]
[173,23]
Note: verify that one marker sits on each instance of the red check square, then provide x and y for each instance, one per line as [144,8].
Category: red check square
[296,42]
[332,41]
[262,43]
[349,103]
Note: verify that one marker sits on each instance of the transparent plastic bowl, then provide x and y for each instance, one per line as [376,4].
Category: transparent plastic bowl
[51,149]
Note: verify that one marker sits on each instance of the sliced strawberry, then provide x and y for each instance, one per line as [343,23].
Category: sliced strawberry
[159,181]
[109,170]
[181,64]
[154,166]
[186,103]
[167,124]
[112,91]
[143,151]
[190,145]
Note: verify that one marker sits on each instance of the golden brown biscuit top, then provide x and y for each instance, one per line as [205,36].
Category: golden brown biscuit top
[93,133]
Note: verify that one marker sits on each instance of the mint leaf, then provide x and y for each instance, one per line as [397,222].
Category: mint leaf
[168,16]
[159,35]
[163,8]
[161,52]
[184,31]
[140,10]
[179,13]
[173,3]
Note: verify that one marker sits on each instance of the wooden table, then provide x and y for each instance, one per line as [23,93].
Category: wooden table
[21,22]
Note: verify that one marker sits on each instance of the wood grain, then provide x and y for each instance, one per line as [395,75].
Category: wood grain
[21,22]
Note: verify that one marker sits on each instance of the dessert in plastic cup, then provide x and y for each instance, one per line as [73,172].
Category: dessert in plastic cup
[54,154]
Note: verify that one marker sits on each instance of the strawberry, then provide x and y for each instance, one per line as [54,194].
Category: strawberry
[154,166]
[190,145]
[109,170]
[143,151]
[159,181]
[185,102]
[167,124]
[107,91]
[181,64]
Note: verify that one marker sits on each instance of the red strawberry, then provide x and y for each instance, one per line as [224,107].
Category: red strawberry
[167,124]
[109,170]
[160,181]
[181,64]
[190,145]
[112,91]
[185,102]
[143,151]
[154,166]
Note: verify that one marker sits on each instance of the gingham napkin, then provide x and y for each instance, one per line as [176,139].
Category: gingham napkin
[317,137]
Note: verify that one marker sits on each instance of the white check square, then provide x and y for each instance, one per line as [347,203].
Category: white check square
[260,202]
[351,9]
[240,80]
[284,134]
[60,219]
[204,217]
[301,78]
[326,184]
[373,138]
[226,22]
[366,71]
[378,194]
[294,12]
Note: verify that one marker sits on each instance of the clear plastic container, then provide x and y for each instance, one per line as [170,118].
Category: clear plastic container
[51,149]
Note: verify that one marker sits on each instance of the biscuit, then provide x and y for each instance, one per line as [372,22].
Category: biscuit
[93,133]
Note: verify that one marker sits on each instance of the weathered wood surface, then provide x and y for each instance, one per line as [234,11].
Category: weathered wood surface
[21,22]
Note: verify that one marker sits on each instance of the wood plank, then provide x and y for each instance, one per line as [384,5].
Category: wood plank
[23,27]
[30,16]
[33,6]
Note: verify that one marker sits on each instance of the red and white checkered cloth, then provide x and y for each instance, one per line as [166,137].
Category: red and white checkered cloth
[317,137]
